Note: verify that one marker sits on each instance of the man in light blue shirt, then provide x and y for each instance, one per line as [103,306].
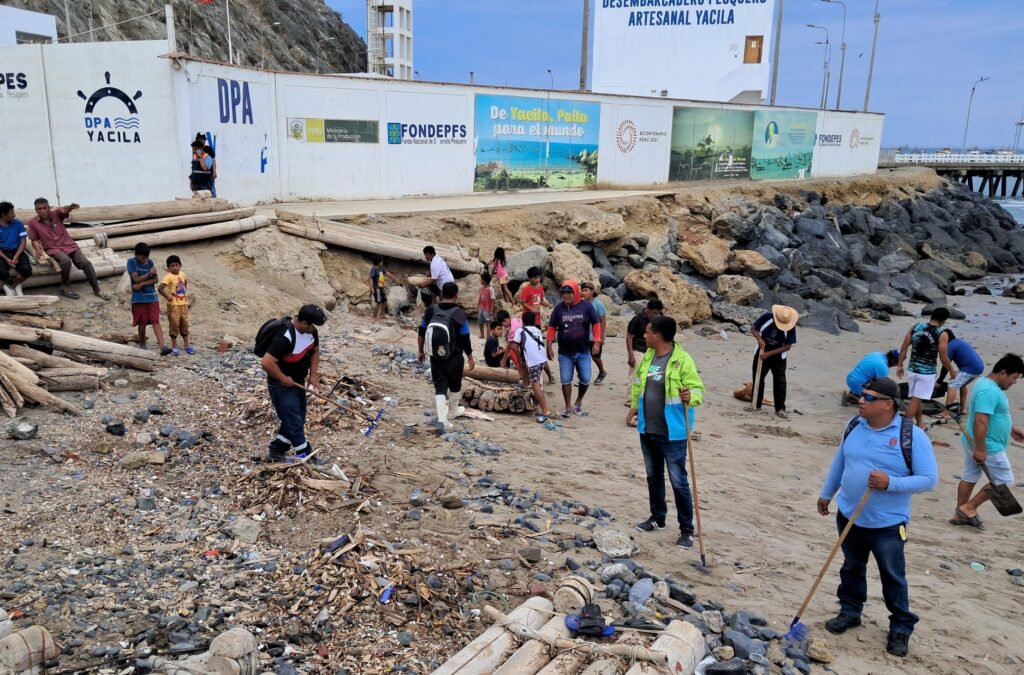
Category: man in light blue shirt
[872,456]
[875,364]
[589,294]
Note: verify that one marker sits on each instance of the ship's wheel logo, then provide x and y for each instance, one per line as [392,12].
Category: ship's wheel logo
[103,129]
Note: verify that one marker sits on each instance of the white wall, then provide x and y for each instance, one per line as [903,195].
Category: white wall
[635,143]
[692,50]
[25,131]
[13,21]
[846,143]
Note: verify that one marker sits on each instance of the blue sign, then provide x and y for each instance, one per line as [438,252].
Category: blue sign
[230,96]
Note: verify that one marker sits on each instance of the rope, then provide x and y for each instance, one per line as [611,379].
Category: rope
[111,25]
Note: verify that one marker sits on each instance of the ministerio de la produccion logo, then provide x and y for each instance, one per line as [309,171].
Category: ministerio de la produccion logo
[104,128]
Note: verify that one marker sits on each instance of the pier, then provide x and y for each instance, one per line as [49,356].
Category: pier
[996,173]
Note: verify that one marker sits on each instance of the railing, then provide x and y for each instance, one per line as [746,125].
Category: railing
[932,158]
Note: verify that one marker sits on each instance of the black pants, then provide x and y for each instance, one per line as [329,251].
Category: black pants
[447,374]
[23,268]
[776,365]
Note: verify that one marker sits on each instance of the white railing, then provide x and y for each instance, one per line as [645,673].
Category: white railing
[957,158]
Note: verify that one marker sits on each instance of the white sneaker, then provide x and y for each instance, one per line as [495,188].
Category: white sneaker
[18,292]
[8,290]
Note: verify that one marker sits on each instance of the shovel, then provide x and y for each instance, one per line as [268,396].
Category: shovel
[1004,501]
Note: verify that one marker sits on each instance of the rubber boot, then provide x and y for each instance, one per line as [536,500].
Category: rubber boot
[441,402]
[454,409]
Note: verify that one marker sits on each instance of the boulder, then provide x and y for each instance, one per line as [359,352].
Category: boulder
[686,303]
[398,299]
[829,253]
[568,262]
[736,314]
[738,290]
[469,292]
[615,543]
[708,254]
[657,249]
[584,222]
[519,263]
[954,313]
[773,256]
[821,317]
[971,265]
[897,261]
[752,264]
[730,225]
[1015,291]
[884,303]
[607,278]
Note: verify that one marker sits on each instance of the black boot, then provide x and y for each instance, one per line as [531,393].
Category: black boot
[842,623]
[897,644]
[278,451]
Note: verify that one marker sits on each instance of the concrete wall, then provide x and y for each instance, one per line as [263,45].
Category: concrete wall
[14,21]
[281,136]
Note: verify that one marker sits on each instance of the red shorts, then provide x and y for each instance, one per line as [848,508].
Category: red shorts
[146,314]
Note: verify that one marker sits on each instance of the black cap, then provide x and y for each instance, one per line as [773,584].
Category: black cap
[312,314]
[566,289]
[885,387]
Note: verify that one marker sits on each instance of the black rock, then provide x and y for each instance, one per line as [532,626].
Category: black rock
[954,313]
[742,644]
[734,666]
[116,429]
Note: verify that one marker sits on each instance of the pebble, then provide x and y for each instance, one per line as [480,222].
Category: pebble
[531,554]
[817,650]
[734,666]
[714,621]
[724,653]
[507,564]
[21,430]
[744,646]
[414,514]
[121,382]
[418,498]
[405,638]
[141,416]
[1016,572]
[451,501]
[145,503]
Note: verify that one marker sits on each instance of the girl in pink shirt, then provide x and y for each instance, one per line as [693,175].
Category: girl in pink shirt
[499,265]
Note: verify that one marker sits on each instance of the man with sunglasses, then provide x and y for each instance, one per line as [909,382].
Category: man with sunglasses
[894,458]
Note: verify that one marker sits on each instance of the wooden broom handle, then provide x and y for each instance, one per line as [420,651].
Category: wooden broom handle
[693,479]
[757,381]
[835,548]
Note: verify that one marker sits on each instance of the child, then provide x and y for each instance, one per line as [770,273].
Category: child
[493,351]
[174,287]
[500,270]
[145,301]
[528,342]
[531,295]
[379,287]
[485,304]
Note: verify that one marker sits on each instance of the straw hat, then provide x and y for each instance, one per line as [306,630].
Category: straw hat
[785,317]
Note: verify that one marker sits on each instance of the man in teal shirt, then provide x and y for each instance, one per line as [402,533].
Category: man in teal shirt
[989,430]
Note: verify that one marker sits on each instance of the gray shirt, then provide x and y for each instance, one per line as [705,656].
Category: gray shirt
[654,396]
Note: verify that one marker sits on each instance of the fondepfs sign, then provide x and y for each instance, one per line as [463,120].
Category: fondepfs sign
[405,133]
[107,128]
[13,85]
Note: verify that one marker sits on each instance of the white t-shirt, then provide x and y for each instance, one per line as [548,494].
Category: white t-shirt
[440,272]
[536,354]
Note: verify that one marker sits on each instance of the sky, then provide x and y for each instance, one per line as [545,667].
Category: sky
[930,53]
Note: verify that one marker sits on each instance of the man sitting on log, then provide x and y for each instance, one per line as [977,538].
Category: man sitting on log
[14,264]
[50,239]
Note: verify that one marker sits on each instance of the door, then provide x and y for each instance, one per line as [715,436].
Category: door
[752,48]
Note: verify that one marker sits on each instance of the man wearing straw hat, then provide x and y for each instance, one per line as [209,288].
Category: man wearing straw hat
[894,460]
[775,333]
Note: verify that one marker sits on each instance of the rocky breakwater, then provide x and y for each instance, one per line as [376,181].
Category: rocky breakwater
[835,263]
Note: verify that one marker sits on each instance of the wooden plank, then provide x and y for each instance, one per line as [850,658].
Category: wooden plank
[51,361]
[35,321]
[91,348]
[103,267]
[189,234]
[26,303]
[156,224]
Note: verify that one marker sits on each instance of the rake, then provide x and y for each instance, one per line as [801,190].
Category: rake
[797,630]
[696,500]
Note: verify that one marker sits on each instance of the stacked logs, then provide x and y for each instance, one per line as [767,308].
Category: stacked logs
[489,398]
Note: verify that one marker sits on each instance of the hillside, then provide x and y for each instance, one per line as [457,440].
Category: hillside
[290,46]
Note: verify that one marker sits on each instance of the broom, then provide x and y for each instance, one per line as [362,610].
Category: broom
[797,630]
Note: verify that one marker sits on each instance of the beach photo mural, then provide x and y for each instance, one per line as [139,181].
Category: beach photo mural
[524,143]
[783,144]
[710,144]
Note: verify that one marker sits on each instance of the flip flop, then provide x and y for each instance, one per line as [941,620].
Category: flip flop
[963,519]
[69,294]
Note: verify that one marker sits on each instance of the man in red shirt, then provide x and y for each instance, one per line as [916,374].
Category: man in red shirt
[50,239]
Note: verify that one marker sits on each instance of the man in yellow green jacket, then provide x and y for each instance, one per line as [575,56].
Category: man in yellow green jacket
[665,388]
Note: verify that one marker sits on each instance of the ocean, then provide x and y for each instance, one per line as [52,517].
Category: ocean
[530,154]
[1015,205]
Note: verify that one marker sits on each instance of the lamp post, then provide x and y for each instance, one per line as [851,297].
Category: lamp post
[263,42]
[318,43]
[231,51]
[416,75]
[970,103]
[871,66]
[842,52]
[552,76]
[824,81]
[190,42]
[775,61]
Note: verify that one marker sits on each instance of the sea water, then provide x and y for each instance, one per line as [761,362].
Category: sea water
[1015,205]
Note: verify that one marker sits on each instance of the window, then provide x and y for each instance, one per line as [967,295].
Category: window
[752,47]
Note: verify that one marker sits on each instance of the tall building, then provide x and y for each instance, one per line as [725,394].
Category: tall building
[389,38]
[20,26]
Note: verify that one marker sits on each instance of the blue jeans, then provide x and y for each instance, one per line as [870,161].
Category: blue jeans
[659,451]
[886,544]
[290,406]
[567,363]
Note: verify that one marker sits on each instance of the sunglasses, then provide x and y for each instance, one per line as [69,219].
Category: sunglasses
[871,397]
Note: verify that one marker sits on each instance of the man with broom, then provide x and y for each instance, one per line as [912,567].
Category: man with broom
[893,459]
[665,387]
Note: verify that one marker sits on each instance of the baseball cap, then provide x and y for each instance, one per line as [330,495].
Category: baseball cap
[312,314]
[566,289]
[885,387]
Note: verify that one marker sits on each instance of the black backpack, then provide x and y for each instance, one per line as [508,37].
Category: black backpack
[270,330]
[906,439]
[442,332]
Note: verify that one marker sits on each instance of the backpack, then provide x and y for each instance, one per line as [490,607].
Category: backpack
[441,333]
[538,340]
[270,330]
[906,438]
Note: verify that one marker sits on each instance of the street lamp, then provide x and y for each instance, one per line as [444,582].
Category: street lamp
[416,75]
[778,49]
[231,51]
[970,102]
[842,50]
[824,82]
[871,66]
[551,75]
[263,42]
[318,43]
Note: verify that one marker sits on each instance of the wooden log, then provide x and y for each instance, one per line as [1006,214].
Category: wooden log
[96,350]
[68,379]
[604,667]
[534,654]
[27,649]
[174,207]
[372,241]
[487,401]
[35,321]
[566,663]
[684,645]
[501,402]
[26,303]
[28,363]
[12,392]
[13,368]
[51,361]
[189,234]
[32,392]
[485,653]
[103,267]
[157,224]
[506,375]
[7,403]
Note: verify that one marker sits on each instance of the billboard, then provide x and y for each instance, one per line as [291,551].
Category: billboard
[524,143]
[783,144]
[846,143]
[709,50]
[636,142]
[310,130]
[710,144]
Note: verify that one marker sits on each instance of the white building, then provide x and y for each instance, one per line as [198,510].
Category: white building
[708,50]
[389,38]
[20,26]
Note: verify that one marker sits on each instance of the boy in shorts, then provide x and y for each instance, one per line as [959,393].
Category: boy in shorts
[528,342]
[145,301]
[379,287]
[485,304]
[174,287]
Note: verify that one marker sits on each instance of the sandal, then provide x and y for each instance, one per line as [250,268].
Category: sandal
[69,294]
[963,519]
[566,413]
[578,411]
[541,419]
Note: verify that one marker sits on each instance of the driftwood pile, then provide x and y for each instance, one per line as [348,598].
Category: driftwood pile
[354,403]
[104,260]
[493,398]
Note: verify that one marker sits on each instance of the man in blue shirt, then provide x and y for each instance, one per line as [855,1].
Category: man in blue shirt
[15,266]
[871,456]
[968,368]
[775,333]
[875,364]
